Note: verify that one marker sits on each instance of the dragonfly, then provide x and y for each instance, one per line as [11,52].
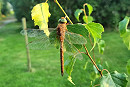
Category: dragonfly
[60,38]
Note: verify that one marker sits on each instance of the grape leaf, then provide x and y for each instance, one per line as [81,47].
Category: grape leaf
[40,14]
[114,79]
[101,46]
[128,66]
[77,13]
[90,8]
[78,29]
[89,19]
[96,30]
[124,32]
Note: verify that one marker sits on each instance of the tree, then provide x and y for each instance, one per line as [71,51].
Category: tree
[109,12]
[0,8]
[4,9]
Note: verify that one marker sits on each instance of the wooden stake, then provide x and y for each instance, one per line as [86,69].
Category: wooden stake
[26,42]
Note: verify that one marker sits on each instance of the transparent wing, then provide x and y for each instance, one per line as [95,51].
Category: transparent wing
[38,39]
[72,39]
[40,44]
[36,33]
[75,38]
[72,50]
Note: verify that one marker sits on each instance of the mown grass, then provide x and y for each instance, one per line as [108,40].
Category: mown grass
[46,63]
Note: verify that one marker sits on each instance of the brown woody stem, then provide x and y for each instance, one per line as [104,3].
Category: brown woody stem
[92,46]
[87,53]
[89,33]
[105,70]
[96,85]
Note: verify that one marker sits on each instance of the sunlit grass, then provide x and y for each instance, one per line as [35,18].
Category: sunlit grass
[46,63]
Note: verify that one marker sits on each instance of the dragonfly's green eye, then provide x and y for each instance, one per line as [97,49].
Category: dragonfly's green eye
[62,20]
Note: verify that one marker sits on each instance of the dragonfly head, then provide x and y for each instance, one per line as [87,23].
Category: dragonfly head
[62,20]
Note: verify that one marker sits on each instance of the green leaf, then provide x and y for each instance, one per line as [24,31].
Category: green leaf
[88,20]
[96,30]
[124,32]
[114,79]
[123,25]
[77,13]
[126,39]
[85,66]
[78,46]
[40,14]
[128,66]
[90,8]
[101,46]
[70,79]
[91,84]
[69,63]
[78,29]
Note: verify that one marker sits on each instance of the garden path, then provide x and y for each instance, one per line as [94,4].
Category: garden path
[7,21]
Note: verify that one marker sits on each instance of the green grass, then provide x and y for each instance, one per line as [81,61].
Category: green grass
[46,63]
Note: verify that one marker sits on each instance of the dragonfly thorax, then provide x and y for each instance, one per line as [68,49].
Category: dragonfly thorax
[61,28]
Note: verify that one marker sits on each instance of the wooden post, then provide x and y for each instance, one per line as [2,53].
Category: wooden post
[26,42]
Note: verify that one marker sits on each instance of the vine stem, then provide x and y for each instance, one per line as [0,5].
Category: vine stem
[92,46]
[89,33]
[87,53]
[46,1]
[105,70]
[96,85]
[85,12]
[63,11]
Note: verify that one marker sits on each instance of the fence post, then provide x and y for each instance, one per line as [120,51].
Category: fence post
[26,42]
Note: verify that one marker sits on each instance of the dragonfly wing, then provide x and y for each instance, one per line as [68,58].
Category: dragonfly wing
[38,39]
[75,38]
[37,33]
[72,50]
[40,44]
[54,39]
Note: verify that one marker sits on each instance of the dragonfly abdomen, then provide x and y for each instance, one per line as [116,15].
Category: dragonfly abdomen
[62,58]
[61,28]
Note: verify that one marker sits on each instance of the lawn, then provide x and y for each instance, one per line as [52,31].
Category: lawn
[46,63]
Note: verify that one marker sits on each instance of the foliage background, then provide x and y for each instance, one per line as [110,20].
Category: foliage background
[106,12]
